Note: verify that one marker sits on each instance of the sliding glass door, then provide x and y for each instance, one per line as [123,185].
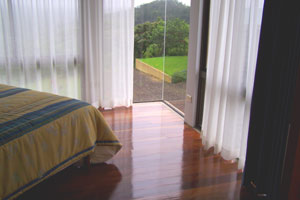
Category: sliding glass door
[161,48]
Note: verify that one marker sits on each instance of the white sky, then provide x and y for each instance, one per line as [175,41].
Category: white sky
[140,2]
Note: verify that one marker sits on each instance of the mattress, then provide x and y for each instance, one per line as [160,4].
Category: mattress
[42,133]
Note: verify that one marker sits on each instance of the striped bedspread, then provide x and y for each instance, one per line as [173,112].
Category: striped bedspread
[42,133]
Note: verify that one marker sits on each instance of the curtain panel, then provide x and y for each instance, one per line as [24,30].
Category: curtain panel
[77,48]
[234,32]
[108,38]
[39,45]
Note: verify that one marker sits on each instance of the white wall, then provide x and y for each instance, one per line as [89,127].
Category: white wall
[193,70]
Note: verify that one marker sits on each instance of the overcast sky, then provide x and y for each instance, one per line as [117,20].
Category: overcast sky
[140,2]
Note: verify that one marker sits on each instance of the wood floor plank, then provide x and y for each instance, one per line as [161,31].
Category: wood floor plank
[161,158]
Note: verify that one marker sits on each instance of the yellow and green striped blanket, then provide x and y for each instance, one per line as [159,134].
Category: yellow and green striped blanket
[42,133]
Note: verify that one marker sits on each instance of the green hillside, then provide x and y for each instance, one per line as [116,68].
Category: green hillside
[151,11]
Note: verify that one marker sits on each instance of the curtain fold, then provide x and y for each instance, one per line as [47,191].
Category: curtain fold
[108,52]
[232,51]
[77,48]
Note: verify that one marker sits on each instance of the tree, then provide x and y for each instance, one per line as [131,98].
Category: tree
[149,38]
[177,37]
[149,35]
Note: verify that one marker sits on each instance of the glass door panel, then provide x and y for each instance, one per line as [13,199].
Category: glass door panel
[148,50]
[161,49]
[176,52]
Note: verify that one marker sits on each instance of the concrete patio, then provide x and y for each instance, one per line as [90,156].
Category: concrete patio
[148,88]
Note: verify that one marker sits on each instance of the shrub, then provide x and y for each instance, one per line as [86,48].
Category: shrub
[179,76]
[153,50]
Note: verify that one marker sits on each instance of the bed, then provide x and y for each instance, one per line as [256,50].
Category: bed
[42,133]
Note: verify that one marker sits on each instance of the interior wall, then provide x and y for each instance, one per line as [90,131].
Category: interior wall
[193,70]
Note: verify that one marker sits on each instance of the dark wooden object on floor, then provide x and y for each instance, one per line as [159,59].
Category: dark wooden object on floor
[161,158]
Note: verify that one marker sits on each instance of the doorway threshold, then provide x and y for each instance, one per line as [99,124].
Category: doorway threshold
[168,104]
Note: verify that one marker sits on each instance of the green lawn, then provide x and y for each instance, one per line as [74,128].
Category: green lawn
[172,63]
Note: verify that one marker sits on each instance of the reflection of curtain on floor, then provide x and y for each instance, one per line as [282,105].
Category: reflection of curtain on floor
[232,51]
[81,49]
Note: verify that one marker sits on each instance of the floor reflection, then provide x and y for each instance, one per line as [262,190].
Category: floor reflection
[120,121]
[161,158]
[98,182]
[157,138]
[205,174]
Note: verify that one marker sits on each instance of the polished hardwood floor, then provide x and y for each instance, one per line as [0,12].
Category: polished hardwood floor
[161,158]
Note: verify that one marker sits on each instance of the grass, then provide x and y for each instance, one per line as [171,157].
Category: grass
[173,64]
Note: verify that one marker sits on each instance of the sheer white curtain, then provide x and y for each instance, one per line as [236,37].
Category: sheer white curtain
[77,48]
[39,45]
[232,51]
[108,34]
